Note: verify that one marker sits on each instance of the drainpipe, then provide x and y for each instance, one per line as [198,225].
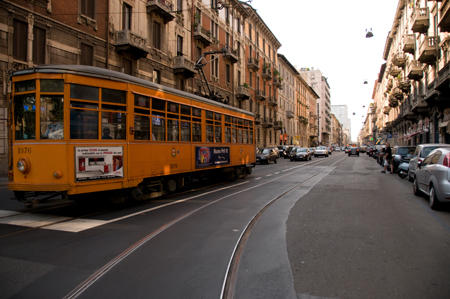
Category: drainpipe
[107,34]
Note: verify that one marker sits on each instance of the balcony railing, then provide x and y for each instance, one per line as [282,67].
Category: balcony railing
[409,43]
[231,55]
[277,125]
[289,114]
[397,92]
[267,122]
[399,59]
[242,93]
[277,82]
[394,70]
[253,64]
[130,42]
[389,84]
[429,50]
[420,20]
[163,8]
[266,74]
[257,118]
[202,35]
[184,66]
[404,84]
[414,70]
[260,95]
[272,101]
[386,109]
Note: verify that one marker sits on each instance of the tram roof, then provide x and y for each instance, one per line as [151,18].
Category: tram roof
[117,76]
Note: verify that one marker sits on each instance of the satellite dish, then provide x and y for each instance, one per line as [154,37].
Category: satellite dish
[353,113]
[369,33]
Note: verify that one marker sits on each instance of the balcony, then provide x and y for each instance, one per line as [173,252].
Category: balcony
[202,35]
[277,83]
[242,93]
[231,55]
[253,64]
[409,43]
[163,8]
[260,95]
[420,20]
[398,93]
[443,77]
[386,109]
[272,101]
[399,59]
[404,84]
[267,122]
[266,74]
[184,66]
[444,12]
[389,84]
[289,114]
[418,104]
[394,70]
[405,110]
[257,118]
[372,110]
[414,70]
[278,125]
[129,42]
[429,50]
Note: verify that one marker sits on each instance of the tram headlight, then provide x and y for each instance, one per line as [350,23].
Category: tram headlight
[24,165]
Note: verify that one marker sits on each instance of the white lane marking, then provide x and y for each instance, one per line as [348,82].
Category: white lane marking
[75,225]
[277,172]
[4,213]
[269,175]
[33,220]
[257,178]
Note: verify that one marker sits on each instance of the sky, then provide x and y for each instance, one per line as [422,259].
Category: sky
[329,35]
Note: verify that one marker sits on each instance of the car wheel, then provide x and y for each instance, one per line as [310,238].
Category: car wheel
[416,190]
[309,158]
[275,161]
[434,202]
[326,156]
[410,178]
[315,156]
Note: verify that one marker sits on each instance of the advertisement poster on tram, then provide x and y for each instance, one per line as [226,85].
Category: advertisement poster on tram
[207,156]
[96,163]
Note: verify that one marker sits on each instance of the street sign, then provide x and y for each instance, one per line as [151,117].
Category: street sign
[389,135]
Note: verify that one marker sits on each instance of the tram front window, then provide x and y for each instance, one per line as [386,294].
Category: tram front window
[25,116]
[52,117]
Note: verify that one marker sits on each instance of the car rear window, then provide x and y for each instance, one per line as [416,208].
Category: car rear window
[405,151]
[428,149]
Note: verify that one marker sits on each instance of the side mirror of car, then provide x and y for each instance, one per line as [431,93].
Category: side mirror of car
[419,164]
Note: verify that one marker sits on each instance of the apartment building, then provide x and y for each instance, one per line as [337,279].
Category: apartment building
[412,92]
[319,83]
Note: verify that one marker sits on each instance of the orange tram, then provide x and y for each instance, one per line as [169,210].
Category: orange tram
[77,130]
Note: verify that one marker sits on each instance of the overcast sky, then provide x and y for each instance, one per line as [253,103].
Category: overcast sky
[330,35]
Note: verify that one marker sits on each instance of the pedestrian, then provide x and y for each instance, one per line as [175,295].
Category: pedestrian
[388,158]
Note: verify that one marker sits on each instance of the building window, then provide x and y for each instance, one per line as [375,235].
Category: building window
[227,40]
[250,31]
[181,84]
[20,40]
[227,15]
[157,35]
[239,78]
[126,66]
[87,8]
[238,49]
[250,78]
[39,43]
[179,45]
[228,73]
[179,6]
[215,66]
[214,4]
[238,25]
[126,16]
[157,76]
[87,53]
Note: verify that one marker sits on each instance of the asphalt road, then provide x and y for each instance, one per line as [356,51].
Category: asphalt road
[331,228]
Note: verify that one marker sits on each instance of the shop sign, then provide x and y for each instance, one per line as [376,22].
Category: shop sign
[96,163]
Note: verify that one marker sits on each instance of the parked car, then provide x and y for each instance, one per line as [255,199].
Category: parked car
[330,150]
[300,153]
[363,149]
[321,151]
[432,177]
[281,150]
[343,148]
[353,151]
[277,151]
[422,150]
[338,149]
[346,149]
[312,150]
[401,154]
[265,155]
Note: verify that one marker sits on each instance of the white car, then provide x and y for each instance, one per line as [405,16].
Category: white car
[321,151]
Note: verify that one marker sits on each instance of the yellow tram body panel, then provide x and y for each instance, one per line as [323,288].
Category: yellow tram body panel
[83,159]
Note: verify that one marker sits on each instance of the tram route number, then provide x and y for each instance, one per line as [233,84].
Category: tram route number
[172,166]
[24,150]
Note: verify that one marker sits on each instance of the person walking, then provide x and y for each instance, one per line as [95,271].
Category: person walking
[388,158]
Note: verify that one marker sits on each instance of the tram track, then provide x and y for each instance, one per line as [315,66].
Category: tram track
[230,276]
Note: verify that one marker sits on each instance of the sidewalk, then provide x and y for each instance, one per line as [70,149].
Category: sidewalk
[3,180]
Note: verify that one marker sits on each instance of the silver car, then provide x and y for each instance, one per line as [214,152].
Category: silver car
[321,151]
[422,150]
[433,177]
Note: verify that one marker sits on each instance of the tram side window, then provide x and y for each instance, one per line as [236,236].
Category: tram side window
[158,128]
[52,117]
[142,127]
[114,125]
[25,116]
[196,125]
[83,124]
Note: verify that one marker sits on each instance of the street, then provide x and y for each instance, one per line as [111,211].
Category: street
[331,227]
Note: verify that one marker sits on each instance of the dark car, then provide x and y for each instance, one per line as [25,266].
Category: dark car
[265,155]
[353,151]
[287,152]
[300,153]
[401,154]
[330,150]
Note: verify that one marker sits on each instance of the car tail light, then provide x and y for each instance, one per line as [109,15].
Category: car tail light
[446,160]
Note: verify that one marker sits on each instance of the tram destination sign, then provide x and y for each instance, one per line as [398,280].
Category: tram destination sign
[96,163]
[206,156]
